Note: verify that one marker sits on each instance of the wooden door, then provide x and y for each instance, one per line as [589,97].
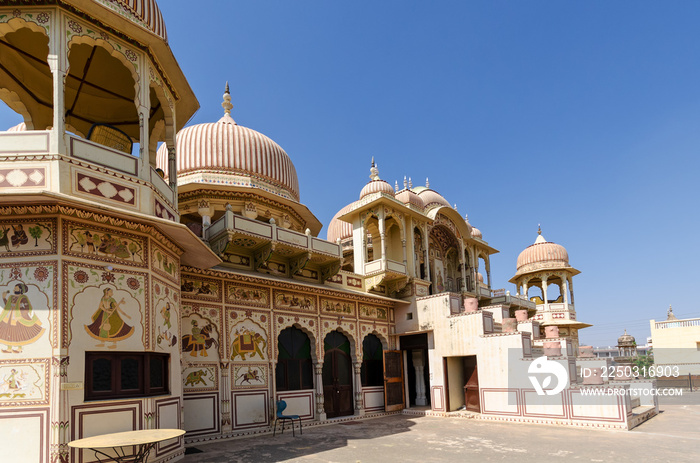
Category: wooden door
[471,388]
[337,375]
[393,381]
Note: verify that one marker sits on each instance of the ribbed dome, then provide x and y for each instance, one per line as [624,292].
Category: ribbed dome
[338,228]
[408,197]
[626,339]
[543,251]
[476,233]
[479,277]
[225,151]
[432,198]
[145,13]
[377,186]
[21,127]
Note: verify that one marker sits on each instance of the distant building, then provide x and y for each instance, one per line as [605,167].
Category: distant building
[677,343]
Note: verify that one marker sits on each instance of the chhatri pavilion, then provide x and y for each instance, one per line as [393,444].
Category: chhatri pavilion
[157,275]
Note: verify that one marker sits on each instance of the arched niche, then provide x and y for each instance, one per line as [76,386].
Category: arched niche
[26,81]
[394,239]
[101,86]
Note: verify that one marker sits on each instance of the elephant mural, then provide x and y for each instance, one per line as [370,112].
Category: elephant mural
[247,342]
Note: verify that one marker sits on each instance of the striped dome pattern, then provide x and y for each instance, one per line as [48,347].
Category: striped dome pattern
[148,12]
[543,251]
[225,147]
[338,228]
[432,198]
[408,197]
[377,186]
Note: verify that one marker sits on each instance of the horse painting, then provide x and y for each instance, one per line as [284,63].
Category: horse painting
[199,341]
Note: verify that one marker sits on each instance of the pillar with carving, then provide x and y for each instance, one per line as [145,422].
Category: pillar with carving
[320,408]
[225,391]
[359,403]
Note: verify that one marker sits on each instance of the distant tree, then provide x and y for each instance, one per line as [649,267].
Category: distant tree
[643,362]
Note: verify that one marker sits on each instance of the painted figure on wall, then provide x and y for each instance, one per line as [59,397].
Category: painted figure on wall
[199,341]
[107,322]
[164,333]
[14,385]
[19,236]
[246,342]
[19,326]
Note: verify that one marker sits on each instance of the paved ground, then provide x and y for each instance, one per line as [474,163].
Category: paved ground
[673,436]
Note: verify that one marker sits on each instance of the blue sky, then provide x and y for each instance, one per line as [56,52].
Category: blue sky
[581,116]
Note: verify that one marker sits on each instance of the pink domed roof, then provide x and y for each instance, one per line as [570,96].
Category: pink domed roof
[377,186]
[21,127]
[432,198]
[542,252]
[476,233]
[144,13]
[409,197]
[338,228]
[225,148]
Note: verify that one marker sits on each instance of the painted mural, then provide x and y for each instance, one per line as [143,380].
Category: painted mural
[250,376]
[200,331]
[165,264]
[337,306]
[27,237]
[201,377]
[103,244]
[106,307]
[27,295]
[368,311]
[22,383]
[167,315]
[200,288]
[288,300]
[249,295]
[249,341]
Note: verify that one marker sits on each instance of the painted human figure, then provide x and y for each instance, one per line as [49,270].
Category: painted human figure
[199,339]
[107,322]
[19,237]
[19,326]
[14,385]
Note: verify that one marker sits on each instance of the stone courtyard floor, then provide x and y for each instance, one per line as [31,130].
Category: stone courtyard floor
[672,436]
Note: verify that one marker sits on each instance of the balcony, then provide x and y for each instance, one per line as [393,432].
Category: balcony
[87,170]
[387,273]
[254,244]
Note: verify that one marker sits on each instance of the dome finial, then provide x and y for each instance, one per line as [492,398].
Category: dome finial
[227,101]
[374,171]
[396,186]
[405,182]
[410,182]
[670,315]
[427,182]
[466,218]
[539,229]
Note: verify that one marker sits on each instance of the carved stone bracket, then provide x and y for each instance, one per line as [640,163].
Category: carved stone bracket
[329,270]
[298,263]
[262,255]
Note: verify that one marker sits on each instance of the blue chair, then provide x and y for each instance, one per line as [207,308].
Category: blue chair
[281,405]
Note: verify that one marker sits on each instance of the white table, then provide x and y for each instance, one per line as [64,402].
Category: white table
[143,442]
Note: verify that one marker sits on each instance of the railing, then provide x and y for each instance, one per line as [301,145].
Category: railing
[678,323]
[378,266]
[269,231]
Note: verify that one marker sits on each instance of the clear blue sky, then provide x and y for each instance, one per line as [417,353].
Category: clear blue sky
[581,116]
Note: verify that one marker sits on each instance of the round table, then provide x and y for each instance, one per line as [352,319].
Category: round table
[144,440]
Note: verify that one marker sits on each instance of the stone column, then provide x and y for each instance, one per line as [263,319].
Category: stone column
[225,391]
[382,236]
[544,293]
[565,290]
[320,408]
[420,380]
[405,257]
[571,289]
[359,403]
[427,255]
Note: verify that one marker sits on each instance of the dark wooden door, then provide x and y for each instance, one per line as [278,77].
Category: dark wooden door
[337,375]
[393,381]
[471,388]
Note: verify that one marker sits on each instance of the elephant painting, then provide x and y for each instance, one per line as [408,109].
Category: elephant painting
[248,342]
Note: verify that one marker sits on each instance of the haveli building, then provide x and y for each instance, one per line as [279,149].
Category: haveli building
[187,286]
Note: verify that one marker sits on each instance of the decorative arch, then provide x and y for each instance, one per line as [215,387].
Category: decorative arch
[36,113]
[354,347]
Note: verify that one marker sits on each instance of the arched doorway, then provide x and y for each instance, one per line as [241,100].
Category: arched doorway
[337,375]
